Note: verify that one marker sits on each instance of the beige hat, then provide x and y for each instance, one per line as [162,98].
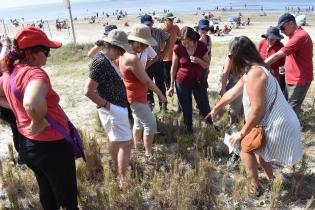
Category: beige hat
[141,33]
[118,38]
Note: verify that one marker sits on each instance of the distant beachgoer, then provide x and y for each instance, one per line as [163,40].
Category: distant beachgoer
[156,70]
[269,46]
[99,45]
[43,148]
[137,83]
[106,89]
[298,63]
[190,59]
[264,104]
[174,33]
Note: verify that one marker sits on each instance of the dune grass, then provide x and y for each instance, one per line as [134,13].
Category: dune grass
[191,171]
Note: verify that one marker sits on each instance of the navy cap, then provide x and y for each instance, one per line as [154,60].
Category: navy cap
[202,24]
[286,17]
[272,33]
[146,19]
[108,28]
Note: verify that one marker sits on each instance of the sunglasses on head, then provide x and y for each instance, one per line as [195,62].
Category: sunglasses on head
[282,28]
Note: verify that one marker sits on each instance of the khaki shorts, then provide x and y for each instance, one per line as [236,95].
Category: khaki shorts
[143,118]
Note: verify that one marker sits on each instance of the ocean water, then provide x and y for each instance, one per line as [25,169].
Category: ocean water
[86,8]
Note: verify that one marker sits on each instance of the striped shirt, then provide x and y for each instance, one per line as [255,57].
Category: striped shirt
[281,125]
[160,36]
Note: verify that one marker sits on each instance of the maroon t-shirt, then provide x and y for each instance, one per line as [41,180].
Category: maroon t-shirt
[188,72]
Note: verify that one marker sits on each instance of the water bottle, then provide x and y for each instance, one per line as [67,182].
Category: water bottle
[237,145]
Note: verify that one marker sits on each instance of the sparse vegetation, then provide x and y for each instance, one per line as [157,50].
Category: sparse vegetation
[190,173]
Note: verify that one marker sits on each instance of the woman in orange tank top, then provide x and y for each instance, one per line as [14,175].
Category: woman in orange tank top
[137,83]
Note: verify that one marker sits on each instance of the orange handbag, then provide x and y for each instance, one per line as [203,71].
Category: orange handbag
[254,140]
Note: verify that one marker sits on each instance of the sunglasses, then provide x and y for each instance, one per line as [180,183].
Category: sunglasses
[45,50]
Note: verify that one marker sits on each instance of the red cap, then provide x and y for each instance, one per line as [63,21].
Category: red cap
[31,36]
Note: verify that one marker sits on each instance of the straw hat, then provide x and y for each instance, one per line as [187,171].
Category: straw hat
[118,38]
[141,33]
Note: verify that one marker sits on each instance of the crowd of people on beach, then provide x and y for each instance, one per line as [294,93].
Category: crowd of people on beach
[126,71]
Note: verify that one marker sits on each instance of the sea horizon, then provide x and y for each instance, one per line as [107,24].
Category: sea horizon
[81,9]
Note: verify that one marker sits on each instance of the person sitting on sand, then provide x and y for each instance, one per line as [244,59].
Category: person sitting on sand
[106,89]
[99,44]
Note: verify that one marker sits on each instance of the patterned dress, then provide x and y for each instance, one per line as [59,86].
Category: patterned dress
[281,125]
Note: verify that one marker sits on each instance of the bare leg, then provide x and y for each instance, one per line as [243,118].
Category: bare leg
[250,163]
[148,141]
[123,159]
[113,150]
[266,166]
[137,134]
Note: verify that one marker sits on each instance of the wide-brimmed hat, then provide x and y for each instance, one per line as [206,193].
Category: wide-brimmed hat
[30,36]
[169,15]
[272,33]
[286,17]
[141,33]
[203,24]
[118,38]
[146,19]
[109,28]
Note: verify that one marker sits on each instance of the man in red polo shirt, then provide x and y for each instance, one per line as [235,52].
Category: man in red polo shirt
[298,63]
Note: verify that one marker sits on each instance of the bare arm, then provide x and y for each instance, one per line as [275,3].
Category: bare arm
[225,75]
[5,46]
[256,85]
[273,58]
[94,50]
[35,105]
[90,91]
[204,62]
[173,73]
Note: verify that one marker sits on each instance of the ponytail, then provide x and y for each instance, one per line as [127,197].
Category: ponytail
[15,54]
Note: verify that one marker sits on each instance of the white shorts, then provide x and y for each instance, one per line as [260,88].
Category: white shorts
[116,123]
[143,118]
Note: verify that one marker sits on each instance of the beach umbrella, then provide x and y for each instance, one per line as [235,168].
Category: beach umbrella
[232,19]
[301,20]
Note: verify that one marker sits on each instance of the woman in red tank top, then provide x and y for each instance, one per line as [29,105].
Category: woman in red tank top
[137,83]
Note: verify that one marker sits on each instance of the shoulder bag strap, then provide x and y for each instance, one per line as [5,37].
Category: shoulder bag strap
[50,120]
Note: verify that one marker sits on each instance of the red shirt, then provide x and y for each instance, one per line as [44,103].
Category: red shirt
[298,63]
[266,52]
[22,76]
[188,72]
[136,90]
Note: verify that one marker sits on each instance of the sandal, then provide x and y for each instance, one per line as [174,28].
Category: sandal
[256,191]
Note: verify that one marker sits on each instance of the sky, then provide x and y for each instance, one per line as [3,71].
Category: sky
[20,3]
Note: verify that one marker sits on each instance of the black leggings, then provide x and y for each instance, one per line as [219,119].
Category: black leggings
[54,167]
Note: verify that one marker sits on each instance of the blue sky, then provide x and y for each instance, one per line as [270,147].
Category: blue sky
[21,3]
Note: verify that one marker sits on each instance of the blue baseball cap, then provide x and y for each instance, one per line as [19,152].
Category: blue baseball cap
[286,17]
[146,19]
[272,33]
[108,28]
[202,24]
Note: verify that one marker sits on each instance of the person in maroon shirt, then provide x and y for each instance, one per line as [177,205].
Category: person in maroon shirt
[298,63]
[190,59]
[269,46]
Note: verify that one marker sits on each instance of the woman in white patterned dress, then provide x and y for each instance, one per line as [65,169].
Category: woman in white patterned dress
[260,89]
